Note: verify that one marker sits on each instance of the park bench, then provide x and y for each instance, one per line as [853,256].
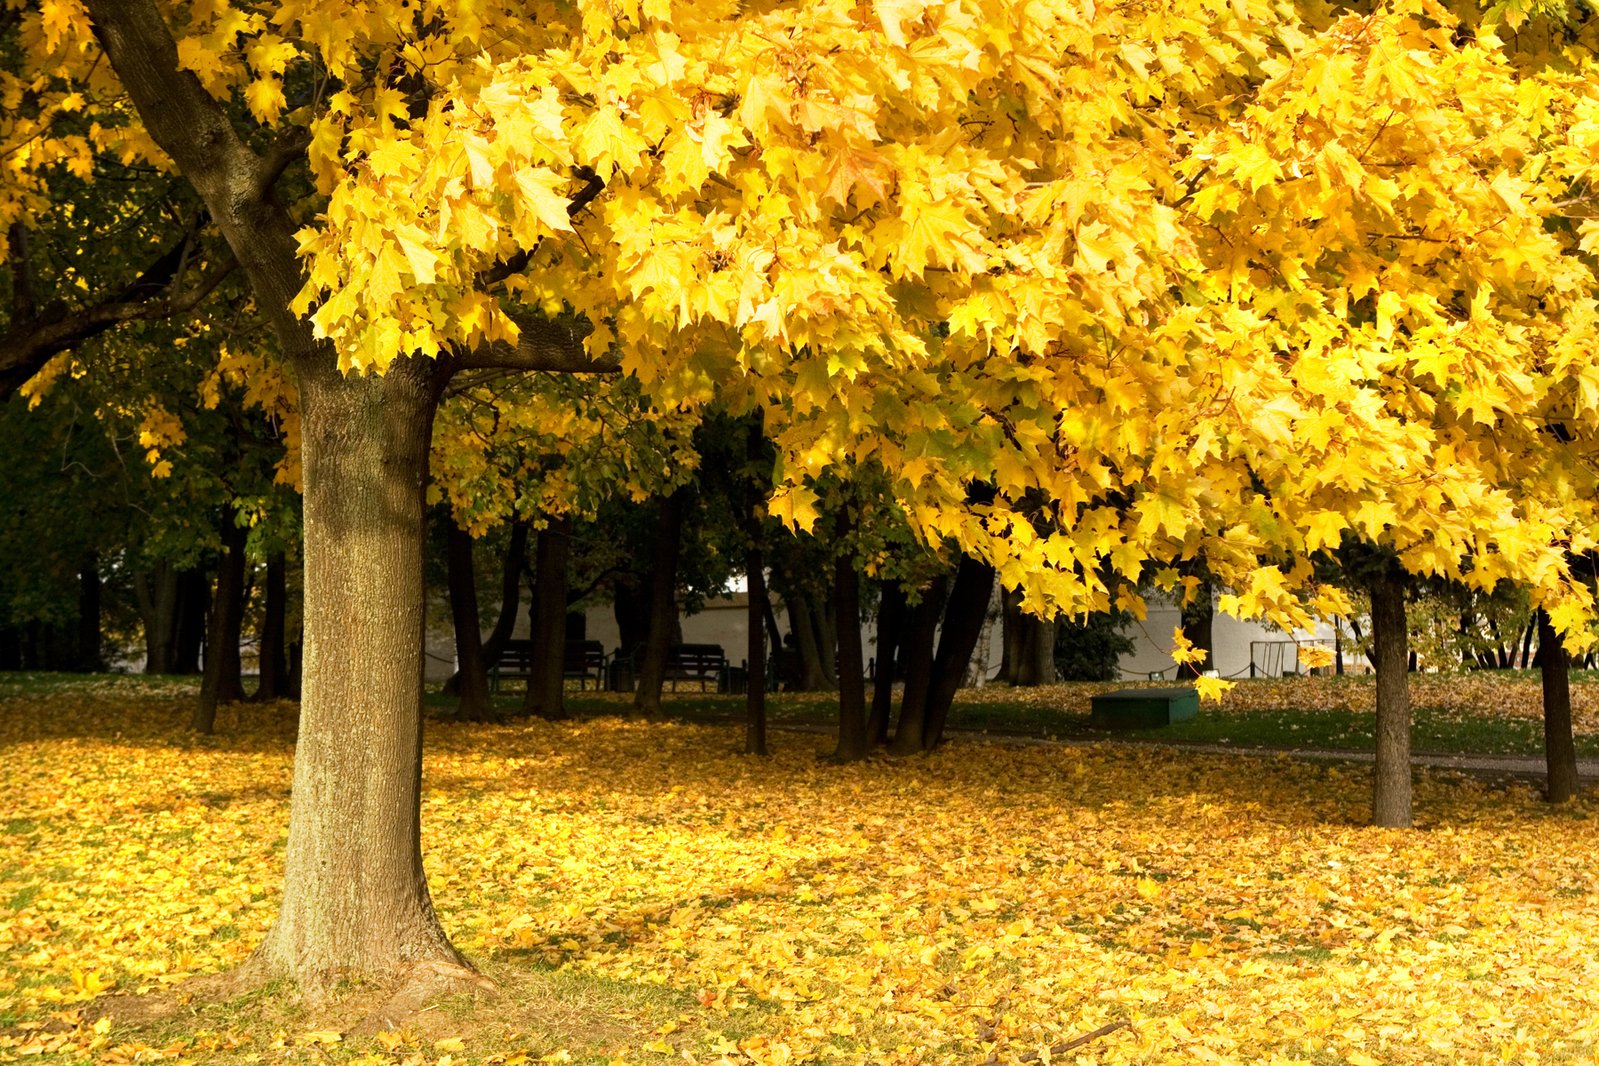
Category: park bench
[584,660]
[705,663]
[515,663]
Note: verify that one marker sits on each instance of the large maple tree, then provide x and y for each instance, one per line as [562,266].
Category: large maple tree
[1168,278]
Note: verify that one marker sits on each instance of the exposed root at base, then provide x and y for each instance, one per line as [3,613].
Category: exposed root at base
[423,984]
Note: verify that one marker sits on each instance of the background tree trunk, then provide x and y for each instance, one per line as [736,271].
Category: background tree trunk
[190,619]
[273,656]
[156,593]
[755,691]
[221,682]
[546,685]
[355,897]
[920,632]
[803,623]
[1199,625]
[663,605]
[890,627]
[963,623]
[1390,640]
[853,743]
[1560,752]
[511,567]
[472,701]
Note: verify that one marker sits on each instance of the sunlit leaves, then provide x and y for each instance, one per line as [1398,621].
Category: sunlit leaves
[987,899]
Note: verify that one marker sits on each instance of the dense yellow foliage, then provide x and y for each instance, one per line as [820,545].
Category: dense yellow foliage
[929,910]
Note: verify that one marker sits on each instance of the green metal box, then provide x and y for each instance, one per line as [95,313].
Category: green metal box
[1143,708]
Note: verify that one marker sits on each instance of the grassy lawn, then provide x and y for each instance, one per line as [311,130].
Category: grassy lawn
[643,894]
[1490,714]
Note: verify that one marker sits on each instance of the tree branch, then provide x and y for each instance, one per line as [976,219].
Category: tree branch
[593,185]
[548,344]
[282,153]
[28,345]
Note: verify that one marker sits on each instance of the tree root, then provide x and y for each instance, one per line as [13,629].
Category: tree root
[422,985]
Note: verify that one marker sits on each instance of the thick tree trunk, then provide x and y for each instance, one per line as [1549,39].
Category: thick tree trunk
[273,657]
[1012,638]
[472,701]
[355,899]
[1390,638]
[88,657]
[853,742]
[221,682]
[663,605]
[546,685]
[963,624]
[920,632]
[890,626]
[1560,752]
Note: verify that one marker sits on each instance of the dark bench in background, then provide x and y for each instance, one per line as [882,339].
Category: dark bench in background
[585,661]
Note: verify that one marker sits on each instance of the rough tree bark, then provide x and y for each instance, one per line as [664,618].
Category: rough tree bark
[546,685]
[663,605]
[472,701]
[1560,752]
[355,901]
[274,648]
[804,624]
[156,594]
[1390,639]
[221,682]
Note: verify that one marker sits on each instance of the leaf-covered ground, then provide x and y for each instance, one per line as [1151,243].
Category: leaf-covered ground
[986,902]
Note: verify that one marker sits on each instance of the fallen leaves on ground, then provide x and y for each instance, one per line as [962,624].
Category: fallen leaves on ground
[984,901]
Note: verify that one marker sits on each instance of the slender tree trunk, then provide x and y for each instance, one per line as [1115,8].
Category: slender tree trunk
[920,633]
[511,568]
[1389,643]
[355,898]
[546,685]
[89,658]
[1526,644]
[510,592]
[890,627]
[963,623]
[825,615]
[663,605]
[193,610]
[1013,645]
[1560,752]
[760,602]
[1199,623]
[802,623]
[853,742]
[274,659]
[221,681]
[472,701]
[755,691]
